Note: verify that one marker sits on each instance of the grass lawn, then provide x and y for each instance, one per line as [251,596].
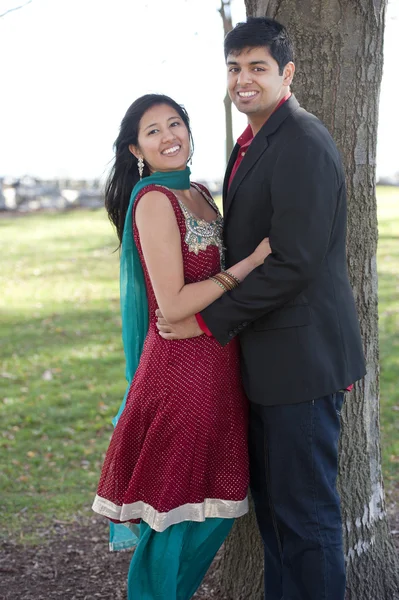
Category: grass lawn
[388,286]
[62,366]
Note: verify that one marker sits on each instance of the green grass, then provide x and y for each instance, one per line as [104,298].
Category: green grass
[388,278]
[61,360]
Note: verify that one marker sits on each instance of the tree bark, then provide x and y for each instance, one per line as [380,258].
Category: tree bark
[339,56]
[229,126]
[225,13]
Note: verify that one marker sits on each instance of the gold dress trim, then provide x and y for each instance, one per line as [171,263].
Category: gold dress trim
[209,508]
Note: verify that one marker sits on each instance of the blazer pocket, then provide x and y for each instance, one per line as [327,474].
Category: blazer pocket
[291,316]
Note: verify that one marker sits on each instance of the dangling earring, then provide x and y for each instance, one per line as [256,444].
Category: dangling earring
[140,165]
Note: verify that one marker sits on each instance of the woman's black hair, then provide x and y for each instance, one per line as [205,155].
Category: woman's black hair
[124,173]
[261,32]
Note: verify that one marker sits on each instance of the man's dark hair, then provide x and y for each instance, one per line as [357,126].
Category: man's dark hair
[261,32]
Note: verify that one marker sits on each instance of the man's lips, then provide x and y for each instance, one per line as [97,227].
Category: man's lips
[247,94]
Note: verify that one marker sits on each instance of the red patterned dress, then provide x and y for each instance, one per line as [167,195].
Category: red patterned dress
[179,450]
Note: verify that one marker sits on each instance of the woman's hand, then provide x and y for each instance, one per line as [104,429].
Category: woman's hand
[261,252]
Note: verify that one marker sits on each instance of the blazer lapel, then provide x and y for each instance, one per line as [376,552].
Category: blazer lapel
[255,151]
[230,165]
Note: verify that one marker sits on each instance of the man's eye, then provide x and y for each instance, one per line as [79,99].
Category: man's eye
[233,70]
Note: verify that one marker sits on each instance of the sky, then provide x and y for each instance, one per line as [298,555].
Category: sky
[71,68]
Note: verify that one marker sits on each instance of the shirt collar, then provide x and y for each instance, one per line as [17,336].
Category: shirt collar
[246,137]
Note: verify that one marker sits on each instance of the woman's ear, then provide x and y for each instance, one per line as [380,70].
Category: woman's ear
[135,151]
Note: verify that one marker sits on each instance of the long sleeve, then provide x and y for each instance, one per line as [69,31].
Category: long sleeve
[304,194]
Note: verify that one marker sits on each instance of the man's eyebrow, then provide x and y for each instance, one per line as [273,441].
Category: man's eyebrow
[170,118]
[253,62]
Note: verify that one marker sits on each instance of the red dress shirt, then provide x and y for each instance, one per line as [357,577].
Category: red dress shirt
[245,139]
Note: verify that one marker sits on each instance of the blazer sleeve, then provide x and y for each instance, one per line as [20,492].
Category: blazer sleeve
[304,193]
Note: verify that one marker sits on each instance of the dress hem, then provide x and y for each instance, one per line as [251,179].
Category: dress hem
[159,521]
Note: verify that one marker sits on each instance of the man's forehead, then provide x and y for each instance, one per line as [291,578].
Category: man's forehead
[249,54]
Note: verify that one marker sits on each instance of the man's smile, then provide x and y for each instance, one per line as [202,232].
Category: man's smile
[247,94]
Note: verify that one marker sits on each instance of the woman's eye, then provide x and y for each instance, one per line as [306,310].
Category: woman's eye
[175,123]
[152,131]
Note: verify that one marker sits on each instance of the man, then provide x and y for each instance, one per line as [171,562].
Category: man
[295,315]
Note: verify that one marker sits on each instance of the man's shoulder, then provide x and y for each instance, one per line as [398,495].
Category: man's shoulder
[305,123]
[303,127]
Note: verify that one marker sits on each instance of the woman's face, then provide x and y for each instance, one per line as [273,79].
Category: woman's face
[163,139]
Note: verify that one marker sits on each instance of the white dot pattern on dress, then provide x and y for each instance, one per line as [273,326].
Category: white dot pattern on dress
[182,437]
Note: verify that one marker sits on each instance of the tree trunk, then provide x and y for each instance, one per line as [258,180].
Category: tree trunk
[229,126]
[225,13]
[339,60]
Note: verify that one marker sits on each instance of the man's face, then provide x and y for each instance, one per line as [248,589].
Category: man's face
[254,83]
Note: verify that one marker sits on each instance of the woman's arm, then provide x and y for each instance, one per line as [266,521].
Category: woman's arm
[161,244]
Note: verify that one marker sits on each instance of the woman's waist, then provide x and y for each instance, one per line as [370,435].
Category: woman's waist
[154,338]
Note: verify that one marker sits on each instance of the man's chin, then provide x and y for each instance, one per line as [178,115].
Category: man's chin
[248,108]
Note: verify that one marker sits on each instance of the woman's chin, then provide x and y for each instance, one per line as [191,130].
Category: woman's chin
[173,166]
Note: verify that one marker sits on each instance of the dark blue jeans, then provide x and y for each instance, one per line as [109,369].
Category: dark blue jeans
[293,461]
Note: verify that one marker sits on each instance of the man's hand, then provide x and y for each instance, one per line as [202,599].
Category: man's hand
[188,328]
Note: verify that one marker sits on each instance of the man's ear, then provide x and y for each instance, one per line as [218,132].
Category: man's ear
[135,151]
[288,74]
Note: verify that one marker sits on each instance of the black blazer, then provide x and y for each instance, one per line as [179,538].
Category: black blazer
[295,315]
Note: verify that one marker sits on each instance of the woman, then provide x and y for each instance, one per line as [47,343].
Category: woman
[177,461]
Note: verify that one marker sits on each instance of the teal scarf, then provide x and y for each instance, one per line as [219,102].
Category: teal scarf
[134,308]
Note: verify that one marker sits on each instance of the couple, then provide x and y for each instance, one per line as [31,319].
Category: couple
[248,348]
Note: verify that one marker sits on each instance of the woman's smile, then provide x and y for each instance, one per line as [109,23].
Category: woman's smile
[172,151]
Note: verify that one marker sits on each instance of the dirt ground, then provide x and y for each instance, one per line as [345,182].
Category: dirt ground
[74,564]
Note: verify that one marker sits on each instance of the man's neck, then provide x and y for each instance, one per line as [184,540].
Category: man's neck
[256,121]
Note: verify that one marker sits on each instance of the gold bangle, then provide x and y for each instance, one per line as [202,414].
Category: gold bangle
[227,282]
[228,279]
[233,276]
[219,283]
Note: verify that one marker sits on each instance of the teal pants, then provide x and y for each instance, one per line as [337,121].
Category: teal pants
[171,565]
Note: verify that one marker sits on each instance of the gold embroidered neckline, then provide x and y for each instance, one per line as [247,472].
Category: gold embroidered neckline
[201,233]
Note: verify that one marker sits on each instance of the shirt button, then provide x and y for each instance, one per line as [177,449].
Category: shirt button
[242,153]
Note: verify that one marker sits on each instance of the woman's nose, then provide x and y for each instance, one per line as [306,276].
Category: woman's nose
[168,135]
